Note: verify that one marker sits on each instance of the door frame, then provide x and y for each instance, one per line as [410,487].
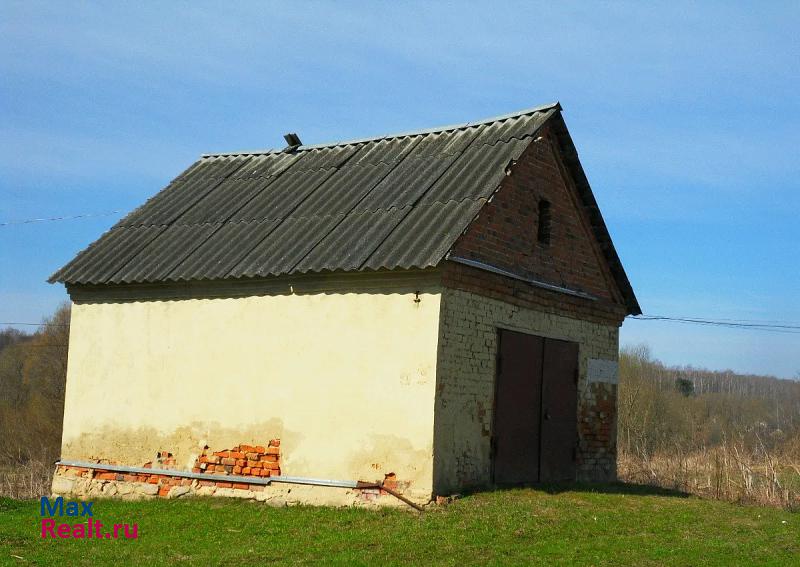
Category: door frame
[497,367]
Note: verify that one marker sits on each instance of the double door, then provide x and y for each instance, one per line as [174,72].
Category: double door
[535,412]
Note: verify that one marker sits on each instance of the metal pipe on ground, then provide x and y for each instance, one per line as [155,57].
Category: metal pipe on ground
[391,491]
[266,481]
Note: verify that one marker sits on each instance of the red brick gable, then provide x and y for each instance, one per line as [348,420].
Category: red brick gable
[504,234]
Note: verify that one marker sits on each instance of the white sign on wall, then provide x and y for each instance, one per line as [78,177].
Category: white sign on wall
[603,371]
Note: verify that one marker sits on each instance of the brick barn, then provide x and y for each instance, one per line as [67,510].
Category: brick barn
[420,314]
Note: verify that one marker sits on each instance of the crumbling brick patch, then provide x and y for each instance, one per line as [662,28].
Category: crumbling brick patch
[165,460]
[229,465]
[389,481]
[241,460]
[597,455]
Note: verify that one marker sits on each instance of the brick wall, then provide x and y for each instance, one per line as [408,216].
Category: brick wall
[476,302]
[522,294]
[466,378]
[505,232]
[234,467]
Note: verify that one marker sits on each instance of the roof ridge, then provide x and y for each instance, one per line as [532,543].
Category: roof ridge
[551,106]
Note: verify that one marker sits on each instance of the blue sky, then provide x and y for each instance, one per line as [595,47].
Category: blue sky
[686,117]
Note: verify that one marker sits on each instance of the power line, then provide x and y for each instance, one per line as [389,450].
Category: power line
[39,324]
[731,322]
[748,324]
[47,219]
[753,325]
[760,321]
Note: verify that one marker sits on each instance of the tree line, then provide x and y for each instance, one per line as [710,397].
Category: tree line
[33,371]
[719,433]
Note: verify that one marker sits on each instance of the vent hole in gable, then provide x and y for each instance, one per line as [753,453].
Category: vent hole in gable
[545,221]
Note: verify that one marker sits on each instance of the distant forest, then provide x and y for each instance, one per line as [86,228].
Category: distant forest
[33,371]
[719,434]
[663,407]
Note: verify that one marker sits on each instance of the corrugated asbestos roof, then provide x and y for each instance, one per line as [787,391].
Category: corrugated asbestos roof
[397,201]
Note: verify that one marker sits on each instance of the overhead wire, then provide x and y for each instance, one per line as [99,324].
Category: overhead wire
[747,324]
[61,218]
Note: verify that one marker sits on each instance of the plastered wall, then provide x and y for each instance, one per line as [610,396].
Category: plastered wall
[345,381]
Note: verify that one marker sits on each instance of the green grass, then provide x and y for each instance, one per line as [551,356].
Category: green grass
[611,525]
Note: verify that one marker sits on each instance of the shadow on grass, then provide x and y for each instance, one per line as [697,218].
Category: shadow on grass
[604,488]
[614,488]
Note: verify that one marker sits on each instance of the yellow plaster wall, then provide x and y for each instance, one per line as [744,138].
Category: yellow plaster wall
[345,380]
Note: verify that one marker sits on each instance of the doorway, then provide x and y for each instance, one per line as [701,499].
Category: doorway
[535,430]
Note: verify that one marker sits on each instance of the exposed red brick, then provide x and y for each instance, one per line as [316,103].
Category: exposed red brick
[390,481]
[505,233]
[242,460]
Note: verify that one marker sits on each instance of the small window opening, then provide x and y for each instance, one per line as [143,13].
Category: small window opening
[543,232]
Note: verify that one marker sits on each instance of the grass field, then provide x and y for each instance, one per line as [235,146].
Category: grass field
[613,525]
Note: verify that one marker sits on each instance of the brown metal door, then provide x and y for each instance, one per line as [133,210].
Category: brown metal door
[517,408]
[559,432]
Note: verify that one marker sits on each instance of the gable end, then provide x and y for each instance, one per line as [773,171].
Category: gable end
[546,191]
